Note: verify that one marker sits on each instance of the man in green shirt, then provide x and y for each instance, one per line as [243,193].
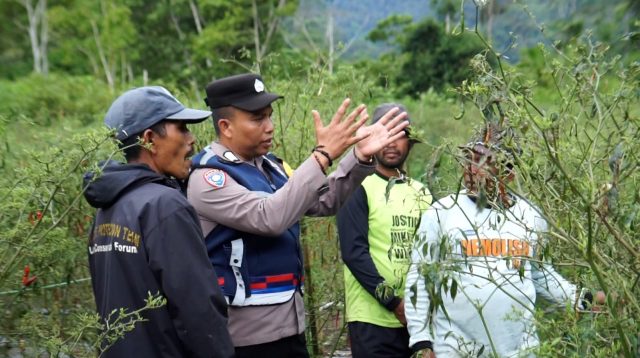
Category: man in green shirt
[376,235]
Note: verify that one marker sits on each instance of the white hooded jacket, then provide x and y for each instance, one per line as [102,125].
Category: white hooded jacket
[489,253]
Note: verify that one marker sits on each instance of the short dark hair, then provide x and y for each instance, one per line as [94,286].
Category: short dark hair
[220,113]
[131,147]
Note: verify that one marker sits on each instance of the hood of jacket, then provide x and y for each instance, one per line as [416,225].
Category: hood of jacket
[116,179]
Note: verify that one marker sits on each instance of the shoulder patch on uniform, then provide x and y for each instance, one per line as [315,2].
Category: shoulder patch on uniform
[228,155]
[215,177]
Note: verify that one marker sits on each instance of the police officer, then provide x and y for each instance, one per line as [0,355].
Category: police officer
[146,238]
[249,208]
[376,227]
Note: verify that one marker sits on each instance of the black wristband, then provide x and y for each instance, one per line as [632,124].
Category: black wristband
[585,300]
[326,155]
[422,345]
[319,164]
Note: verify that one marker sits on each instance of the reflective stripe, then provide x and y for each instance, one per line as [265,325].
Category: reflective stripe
[260,299]
[237,249]
[274,166]
[262,287]
[280,278]
[272,283]
[207,155]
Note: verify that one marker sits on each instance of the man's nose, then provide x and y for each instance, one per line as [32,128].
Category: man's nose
[190,138]
[269,125]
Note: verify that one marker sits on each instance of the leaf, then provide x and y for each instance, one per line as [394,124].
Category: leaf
[459,116]
[454,289]
[616,159]
[414,294]
[443,247]
[521,270]
[392,181]
[480,351]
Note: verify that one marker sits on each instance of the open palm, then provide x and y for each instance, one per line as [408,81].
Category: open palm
[378,135]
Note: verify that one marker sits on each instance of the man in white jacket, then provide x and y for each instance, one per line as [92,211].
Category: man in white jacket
[472,284]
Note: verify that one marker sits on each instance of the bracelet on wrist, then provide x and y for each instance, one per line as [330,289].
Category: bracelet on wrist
[319,164]
[326,155]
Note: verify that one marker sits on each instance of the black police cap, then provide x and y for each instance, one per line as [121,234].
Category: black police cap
[244,91]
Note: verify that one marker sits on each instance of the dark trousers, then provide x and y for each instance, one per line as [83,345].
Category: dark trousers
[288,347]
[371,341]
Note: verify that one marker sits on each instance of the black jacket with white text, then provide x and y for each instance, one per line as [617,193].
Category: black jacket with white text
[146,239]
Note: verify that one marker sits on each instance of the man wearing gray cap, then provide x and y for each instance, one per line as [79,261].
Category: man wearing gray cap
[249,207]
[376,227]
[146,238]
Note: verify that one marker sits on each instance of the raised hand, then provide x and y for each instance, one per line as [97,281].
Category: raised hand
[378,135]
[339,134]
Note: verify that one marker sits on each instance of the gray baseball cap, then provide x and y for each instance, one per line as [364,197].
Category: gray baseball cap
[141,108]
[382,109]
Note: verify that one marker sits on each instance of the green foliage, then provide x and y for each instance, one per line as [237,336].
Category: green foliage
[391,29]
[429,57]
[436,59]
[94,37]
[15,58]
[579,165]
[47,100]
[120,322]
[180,41]
[187,41]
[43,224]
[44,286]
[318,90]
[445,8]
[576,110]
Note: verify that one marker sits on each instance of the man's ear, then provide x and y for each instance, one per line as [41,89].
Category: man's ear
[146,139]
[225,127]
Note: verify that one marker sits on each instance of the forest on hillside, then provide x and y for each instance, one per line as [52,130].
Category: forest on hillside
[564,75]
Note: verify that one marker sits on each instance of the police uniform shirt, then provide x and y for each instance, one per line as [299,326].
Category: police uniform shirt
[308,192]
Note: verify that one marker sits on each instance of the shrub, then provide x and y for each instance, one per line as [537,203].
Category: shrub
[45,100]
[435,58]
[579,166]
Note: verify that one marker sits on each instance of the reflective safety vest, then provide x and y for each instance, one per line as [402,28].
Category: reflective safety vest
[253,269]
